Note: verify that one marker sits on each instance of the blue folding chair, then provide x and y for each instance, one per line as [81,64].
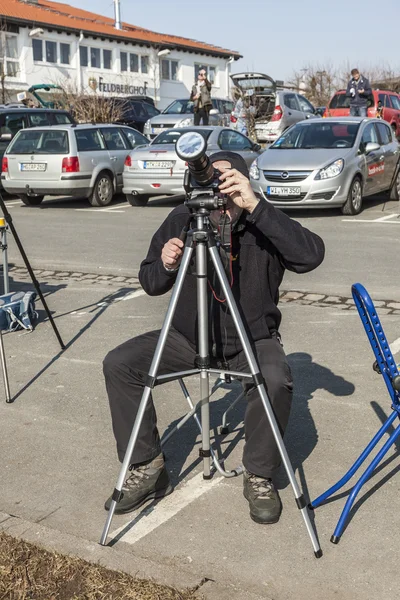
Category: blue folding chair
[385,365]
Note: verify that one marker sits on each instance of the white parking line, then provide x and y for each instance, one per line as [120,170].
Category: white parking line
[99,210]
[153,517]
[395,346]
[393,219]
[386,218]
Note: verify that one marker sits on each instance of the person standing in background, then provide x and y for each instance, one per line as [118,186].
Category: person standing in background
[201,96]
[359,90]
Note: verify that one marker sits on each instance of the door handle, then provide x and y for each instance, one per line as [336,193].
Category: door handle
[113,158]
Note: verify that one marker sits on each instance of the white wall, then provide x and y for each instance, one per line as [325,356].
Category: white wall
[164,92]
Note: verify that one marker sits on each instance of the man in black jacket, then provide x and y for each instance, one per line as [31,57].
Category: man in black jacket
[358,90]
[264,242]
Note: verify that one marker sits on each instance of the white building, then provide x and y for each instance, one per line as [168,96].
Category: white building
[49,42]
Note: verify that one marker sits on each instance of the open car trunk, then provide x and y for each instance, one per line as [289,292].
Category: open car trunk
[262,90]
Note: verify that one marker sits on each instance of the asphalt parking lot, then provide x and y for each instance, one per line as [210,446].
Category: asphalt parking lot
[58,459]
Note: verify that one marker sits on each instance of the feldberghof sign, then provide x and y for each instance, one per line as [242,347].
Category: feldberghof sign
[116,88]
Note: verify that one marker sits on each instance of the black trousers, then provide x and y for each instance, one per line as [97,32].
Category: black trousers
[125,370]
[202,113]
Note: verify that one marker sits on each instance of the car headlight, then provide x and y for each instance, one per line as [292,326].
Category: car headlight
[254,170]
[147,124]
[185,122]
[332,170]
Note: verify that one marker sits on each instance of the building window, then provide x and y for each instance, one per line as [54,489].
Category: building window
[210,71]
[64,54]
[144,64]
[107,59]
[51,52]
[124,61]
[169,70]
[84,55]
[9,63]
[37,46]
[95,58]
[134,63]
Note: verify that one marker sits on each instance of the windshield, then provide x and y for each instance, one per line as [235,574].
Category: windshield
[328,134]
[171,136]
[340,101]
[40,142]
[179,107]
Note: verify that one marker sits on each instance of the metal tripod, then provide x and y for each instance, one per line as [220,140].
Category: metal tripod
[202,236]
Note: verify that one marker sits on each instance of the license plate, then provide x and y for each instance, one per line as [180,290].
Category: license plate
[283,191]
[156,129]
[158,164]
[33,166]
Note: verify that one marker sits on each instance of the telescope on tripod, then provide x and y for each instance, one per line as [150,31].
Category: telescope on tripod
[203,196]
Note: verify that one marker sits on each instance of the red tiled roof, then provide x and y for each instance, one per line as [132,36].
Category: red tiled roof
[55,14]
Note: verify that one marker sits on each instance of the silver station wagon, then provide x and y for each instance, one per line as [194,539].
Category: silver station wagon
[83,161]
[327,163]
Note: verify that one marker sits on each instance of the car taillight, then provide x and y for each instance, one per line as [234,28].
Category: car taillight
[128,161]
[277,116]
[70,164]
[233,119]
[4,165]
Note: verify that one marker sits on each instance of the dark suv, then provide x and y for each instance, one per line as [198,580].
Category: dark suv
[14,119]
[135,113]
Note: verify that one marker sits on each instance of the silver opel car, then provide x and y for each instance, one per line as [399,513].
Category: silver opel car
[329,163]
[157,170]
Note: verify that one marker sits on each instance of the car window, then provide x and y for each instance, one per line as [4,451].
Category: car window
[289,100]
[171,136]
[329,134]
[395,102]
[385,99]
[139,110]
[232,140]
[228,106]
[179,107]
[216,104]
[339,101]
[62,118]
[12,123]
[38,119]
[305,105]
[152,112]
[40,142]
[89,140]
[134,137]
[114,138]
[385,133]
[369,135]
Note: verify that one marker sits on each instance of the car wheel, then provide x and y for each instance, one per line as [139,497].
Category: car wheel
[395,189]
[137,199]
[103,191]
[31,200]
[353,204]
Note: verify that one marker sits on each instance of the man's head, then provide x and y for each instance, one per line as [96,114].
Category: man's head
[224,161]
[355,74]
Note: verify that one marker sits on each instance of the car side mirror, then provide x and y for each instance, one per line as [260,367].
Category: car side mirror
[214,111]
[5,137]
[256,147]
[371,147]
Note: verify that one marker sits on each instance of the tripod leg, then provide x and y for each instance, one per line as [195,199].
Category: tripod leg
[10,223]
[259,383]
[150,383]
[4,368]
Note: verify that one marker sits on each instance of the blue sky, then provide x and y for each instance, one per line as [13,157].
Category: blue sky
[275,36]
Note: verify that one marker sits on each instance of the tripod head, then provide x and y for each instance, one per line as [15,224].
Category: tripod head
[201,180]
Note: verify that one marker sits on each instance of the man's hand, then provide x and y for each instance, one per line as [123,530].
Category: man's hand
[361,91]
[172,252]
[238,187]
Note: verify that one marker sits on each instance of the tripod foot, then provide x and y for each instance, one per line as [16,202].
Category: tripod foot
[224,430]
[318,553]
[335,539]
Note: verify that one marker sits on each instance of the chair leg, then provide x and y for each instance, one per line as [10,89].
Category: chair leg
[364,477]
[321,499]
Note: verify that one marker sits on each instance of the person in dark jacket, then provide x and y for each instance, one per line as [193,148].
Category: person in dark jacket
[201,97]
[358,90]
[264,242]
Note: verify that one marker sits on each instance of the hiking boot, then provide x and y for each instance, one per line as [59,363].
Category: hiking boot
[144,482]
[264,501]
